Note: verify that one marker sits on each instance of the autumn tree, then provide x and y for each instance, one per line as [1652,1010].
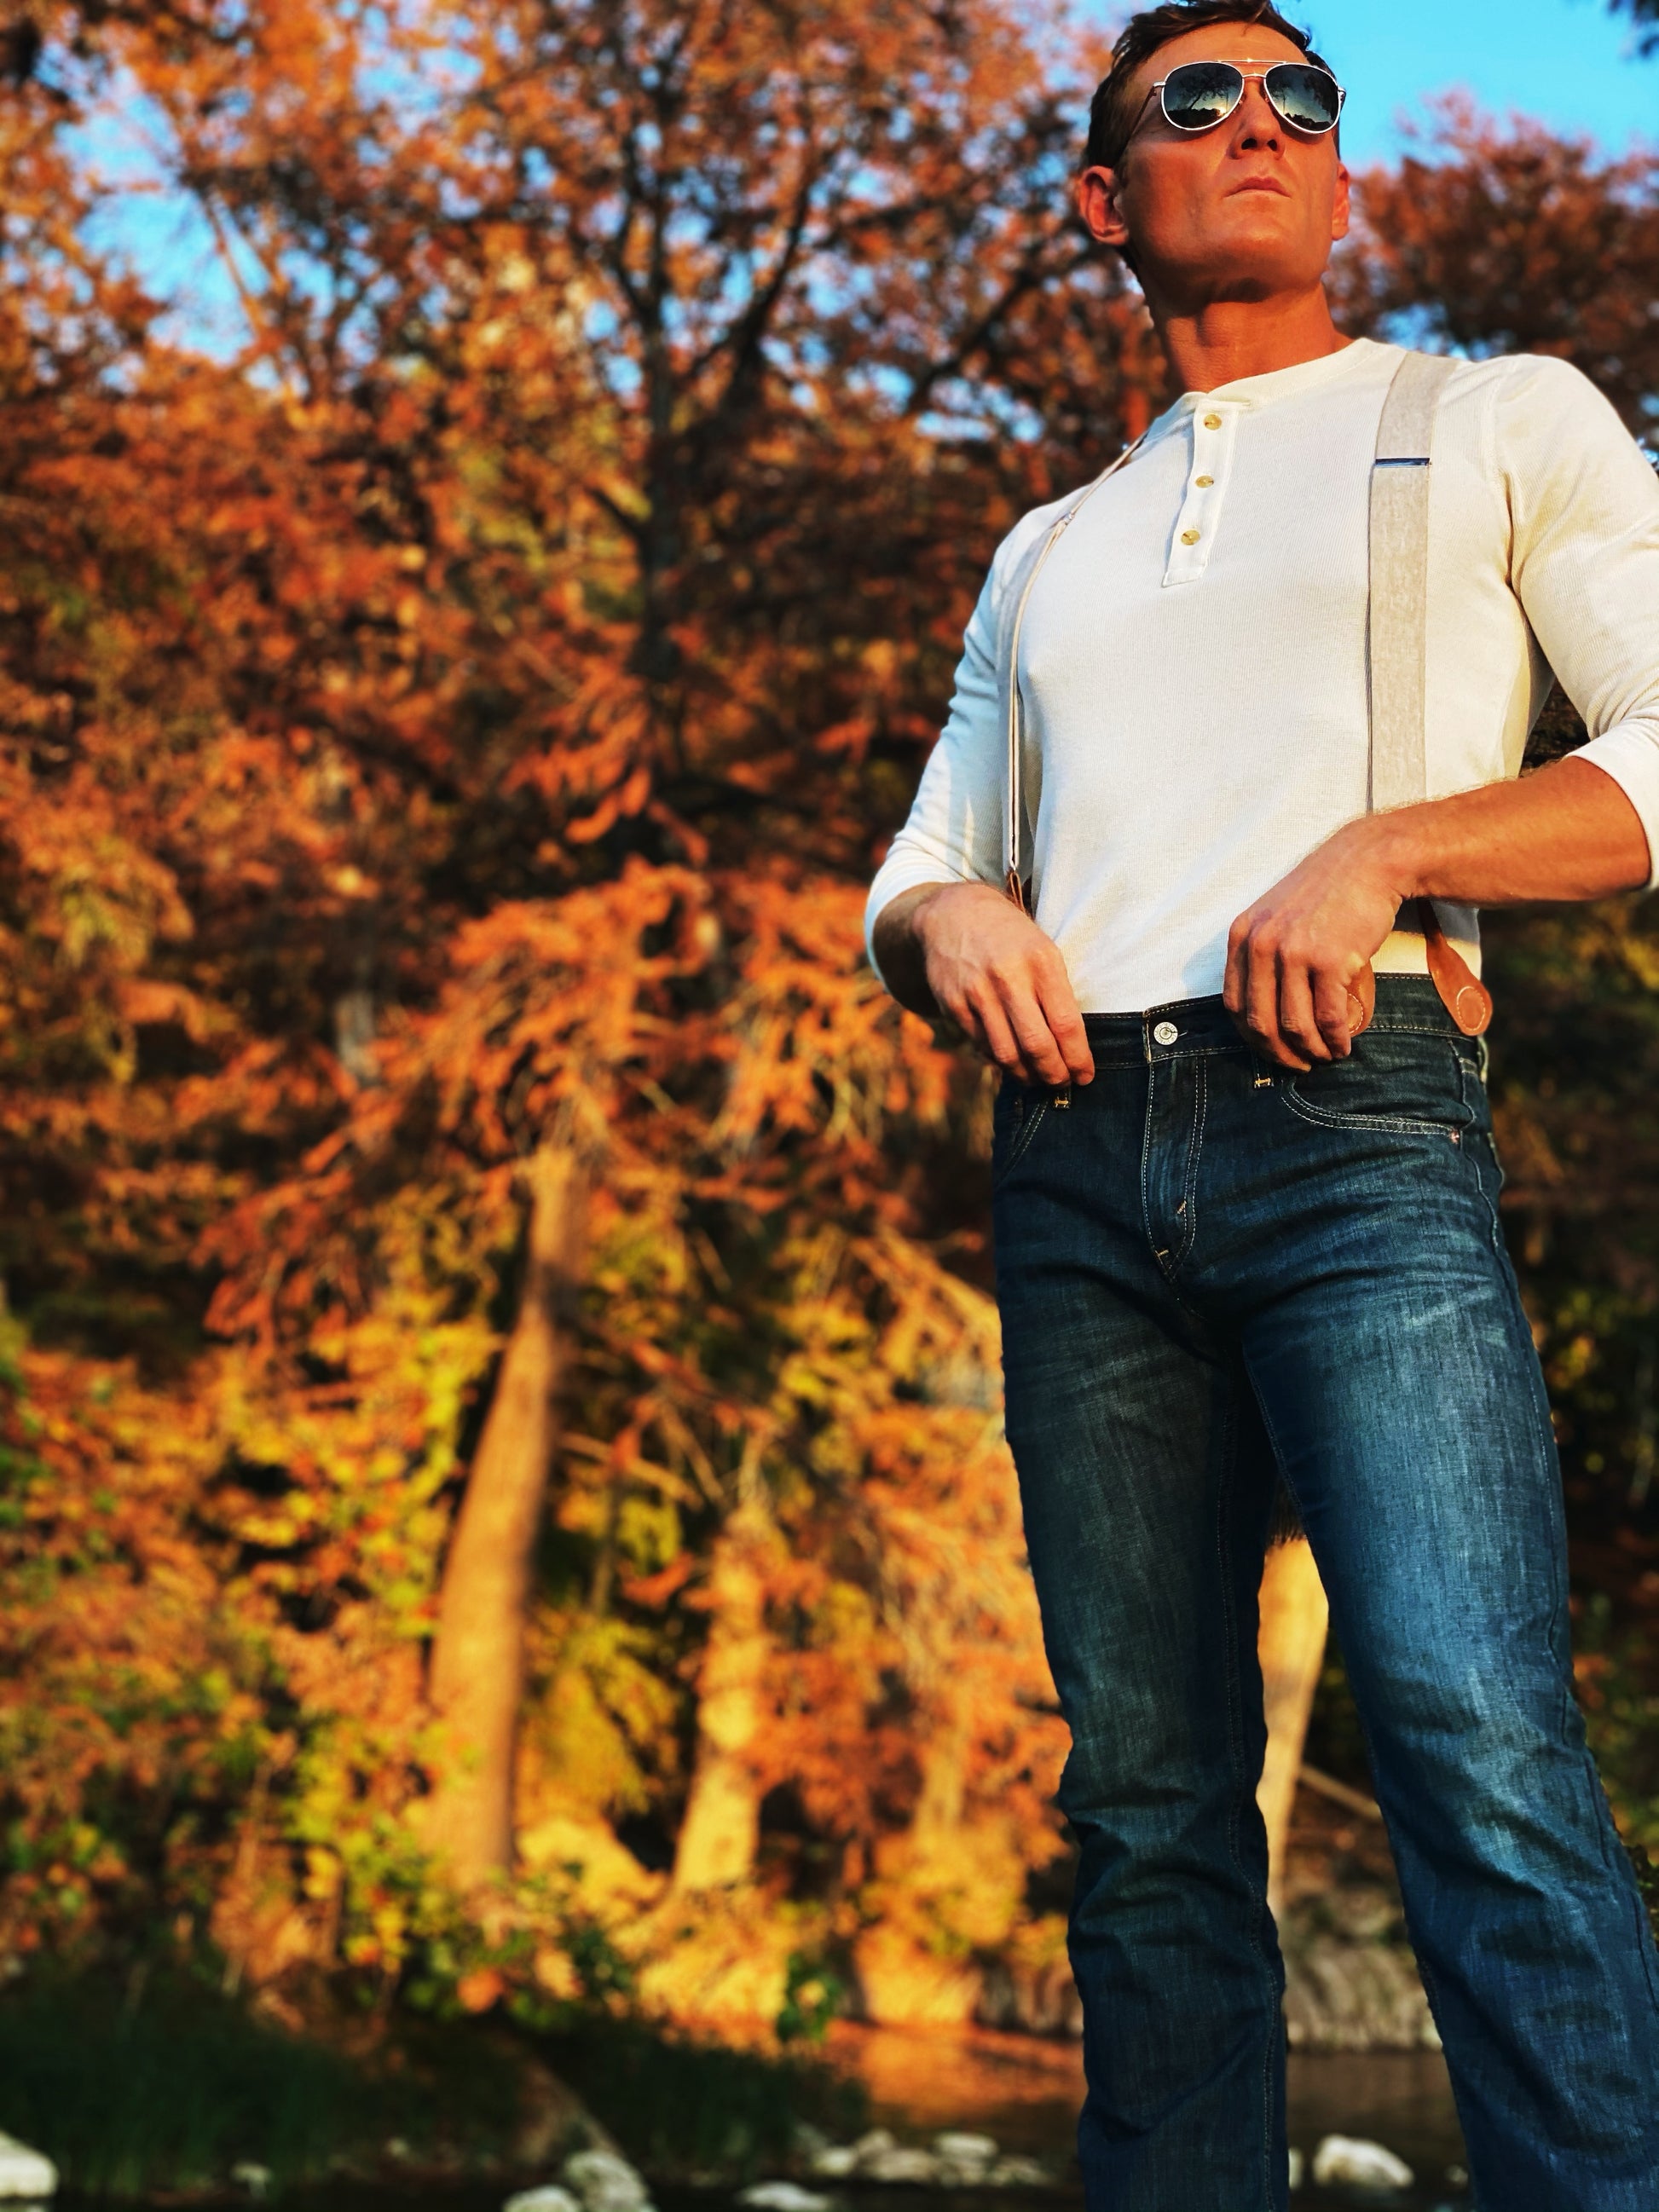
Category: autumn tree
[1644,13]
[517,652]
[444,748]
[1508,239]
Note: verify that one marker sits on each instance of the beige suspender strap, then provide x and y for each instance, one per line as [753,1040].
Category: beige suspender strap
[1397,648]
[1398,643]
[1397,653]
[1014,778]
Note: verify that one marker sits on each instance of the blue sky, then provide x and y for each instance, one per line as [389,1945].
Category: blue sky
[1568,62]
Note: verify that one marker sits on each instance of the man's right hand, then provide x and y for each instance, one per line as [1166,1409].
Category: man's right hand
[966,951]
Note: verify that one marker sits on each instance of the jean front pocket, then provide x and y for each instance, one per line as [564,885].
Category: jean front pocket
[1020,1112]
[1411,1084]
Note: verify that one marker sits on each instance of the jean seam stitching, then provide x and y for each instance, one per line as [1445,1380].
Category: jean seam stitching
[1189,1193]
[1489,1199]
[1166,1273]
[1606,1834]
[1033,1123]
[1235,1748]
[1389,1124]
[1168,1054]
[1404,1124]
[1146,1168]
[1381,1027]
[1284,1473]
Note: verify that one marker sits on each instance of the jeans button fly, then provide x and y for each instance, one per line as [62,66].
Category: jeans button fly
[1165,1033]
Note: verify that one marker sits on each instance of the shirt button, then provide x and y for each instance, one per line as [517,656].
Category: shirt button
[1165,1033]
[1204,482]
[1212,422]
[1191,536]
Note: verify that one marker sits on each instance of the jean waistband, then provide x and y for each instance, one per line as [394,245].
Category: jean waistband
[1194,1027]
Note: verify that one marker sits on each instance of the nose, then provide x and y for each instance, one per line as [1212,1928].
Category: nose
[1257,122]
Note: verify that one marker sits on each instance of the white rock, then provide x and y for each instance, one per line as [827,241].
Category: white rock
[783,2196]
[1348,2159]
[1017,2173]
[872,2145]
[1298,2169]
[25,2172]
[902,2164]
[548,2198]
[253,2176]
[964,2149]
[834,2161]
[605,2182]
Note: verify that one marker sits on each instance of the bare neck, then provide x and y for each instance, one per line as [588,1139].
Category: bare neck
[1216,342]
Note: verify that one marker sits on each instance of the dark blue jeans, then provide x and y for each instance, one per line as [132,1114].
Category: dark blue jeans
[1212,1275]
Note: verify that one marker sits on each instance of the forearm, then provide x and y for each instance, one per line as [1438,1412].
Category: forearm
[965,954]
[1568,832]
[900,953]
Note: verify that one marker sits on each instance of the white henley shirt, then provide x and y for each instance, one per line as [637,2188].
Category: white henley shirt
[1193,663]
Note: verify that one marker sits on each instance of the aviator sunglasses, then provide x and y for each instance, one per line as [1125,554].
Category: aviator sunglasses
[1200,94]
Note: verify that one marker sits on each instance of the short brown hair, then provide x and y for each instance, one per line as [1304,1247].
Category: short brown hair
[1111,119]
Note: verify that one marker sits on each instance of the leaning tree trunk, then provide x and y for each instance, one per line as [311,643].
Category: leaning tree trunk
[720,1832]
[478,1657]
[1295,1616]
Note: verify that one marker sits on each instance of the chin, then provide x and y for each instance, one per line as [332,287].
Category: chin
[1255,251]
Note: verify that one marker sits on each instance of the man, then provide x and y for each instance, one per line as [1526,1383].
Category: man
[1238,1241]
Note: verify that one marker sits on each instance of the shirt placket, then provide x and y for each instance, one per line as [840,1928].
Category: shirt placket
[1215,426]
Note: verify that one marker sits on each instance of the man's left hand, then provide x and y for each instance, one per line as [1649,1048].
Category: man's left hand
[1293,958]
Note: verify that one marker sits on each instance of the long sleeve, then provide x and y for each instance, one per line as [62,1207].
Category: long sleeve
[954,831]
[1585,508]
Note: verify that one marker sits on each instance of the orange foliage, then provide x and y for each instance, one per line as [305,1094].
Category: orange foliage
[1510,240]
[466,720]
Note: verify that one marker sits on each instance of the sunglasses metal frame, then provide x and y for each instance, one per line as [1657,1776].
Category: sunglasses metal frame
[1245,77]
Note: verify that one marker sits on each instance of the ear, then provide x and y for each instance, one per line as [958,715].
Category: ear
[1099,194]
[1341,204]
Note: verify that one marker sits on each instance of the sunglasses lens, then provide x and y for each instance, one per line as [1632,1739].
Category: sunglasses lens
[1309,98]
[1200,94]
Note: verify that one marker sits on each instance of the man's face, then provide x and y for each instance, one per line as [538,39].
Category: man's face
[1245,211]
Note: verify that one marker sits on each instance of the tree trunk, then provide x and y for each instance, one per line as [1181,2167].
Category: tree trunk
[477,1656]
[720,1832]
[1295,1616]
[938,1818]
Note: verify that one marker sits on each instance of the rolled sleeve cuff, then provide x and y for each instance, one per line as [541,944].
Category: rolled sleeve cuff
[1629,755]
[903,870]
